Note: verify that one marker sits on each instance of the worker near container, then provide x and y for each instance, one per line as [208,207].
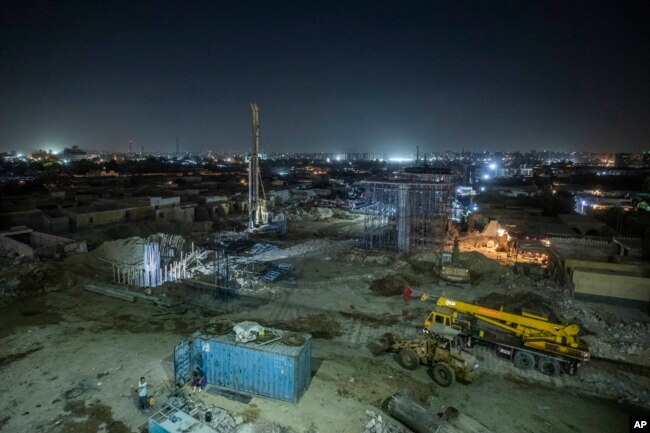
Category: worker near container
[199,381]
[143,392]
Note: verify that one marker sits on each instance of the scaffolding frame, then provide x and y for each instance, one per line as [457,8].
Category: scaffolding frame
[406,216]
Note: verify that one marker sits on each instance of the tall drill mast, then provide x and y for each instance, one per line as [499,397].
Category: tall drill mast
[254,171]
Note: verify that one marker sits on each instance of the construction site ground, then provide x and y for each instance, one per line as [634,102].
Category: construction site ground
[69,358]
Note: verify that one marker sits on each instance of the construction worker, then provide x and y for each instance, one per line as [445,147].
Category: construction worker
[143,392]
[198,380]
[406,296]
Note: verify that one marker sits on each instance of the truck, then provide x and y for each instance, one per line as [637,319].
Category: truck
[529,340]
[448,362]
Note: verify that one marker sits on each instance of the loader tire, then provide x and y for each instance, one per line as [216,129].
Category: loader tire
[408,358]
[524,360]
[443,374]
[549,367]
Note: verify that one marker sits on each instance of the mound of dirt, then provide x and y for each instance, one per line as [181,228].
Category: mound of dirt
[482,268]
[318,325]
[404,267]
[423,263]
[390,285]
[129,251]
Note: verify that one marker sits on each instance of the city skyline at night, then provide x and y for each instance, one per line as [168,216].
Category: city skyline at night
[380,77]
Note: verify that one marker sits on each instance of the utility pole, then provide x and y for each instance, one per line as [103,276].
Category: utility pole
[130,147]
[178,152]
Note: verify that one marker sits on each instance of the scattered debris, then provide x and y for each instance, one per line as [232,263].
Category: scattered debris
[262,248]
[319,246]
[216,417]
[376,424]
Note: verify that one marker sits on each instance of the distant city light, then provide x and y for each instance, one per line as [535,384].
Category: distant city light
[400,159]
[482,189]
[493,166]
[486,176]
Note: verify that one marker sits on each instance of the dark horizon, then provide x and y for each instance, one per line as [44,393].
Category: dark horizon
[367,77]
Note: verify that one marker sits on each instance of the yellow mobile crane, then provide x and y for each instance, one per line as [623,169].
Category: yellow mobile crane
[528,339]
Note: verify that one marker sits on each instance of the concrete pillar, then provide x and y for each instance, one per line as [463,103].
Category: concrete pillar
[403,218]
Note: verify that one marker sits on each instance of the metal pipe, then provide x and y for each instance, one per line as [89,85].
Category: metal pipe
[416,417]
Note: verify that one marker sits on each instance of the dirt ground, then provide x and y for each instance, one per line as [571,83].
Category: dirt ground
[69,358]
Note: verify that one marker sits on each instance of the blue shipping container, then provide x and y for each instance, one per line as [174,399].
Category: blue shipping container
[272,370]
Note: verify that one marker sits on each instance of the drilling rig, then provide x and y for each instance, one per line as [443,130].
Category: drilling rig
[256,205]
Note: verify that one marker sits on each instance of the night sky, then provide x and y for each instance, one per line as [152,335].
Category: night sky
[331,76]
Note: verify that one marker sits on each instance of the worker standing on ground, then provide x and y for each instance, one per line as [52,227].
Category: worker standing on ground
[143,392]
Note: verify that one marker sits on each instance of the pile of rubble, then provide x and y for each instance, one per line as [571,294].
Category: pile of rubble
[314,214]
[608,335]
[216,417]
[376,424]
[319,246]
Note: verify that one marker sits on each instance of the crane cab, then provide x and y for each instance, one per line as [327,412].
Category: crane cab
[448,317]
[442,315]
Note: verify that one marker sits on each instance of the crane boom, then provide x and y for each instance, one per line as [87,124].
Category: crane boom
[525,326]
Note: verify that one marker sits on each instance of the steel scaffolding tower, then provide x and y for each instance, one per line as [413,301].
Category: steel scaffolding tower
[406,215]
